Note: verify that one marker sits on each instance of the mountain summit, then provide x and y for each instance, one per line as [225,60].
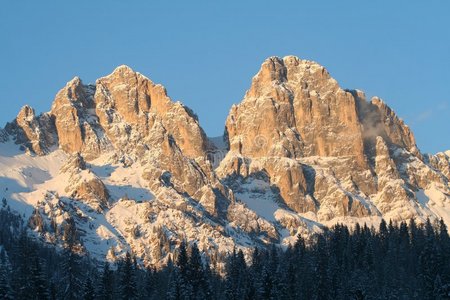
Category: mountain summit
[134,170]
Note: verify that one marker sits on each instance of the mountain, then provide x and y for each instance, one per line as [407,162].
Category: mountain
[134,170]
[331,154]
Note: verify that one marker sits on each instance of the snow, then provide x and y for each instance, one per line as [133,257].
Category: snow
[23,177]
[422,198]
[259,199]
[98,233]
[122,182]
[9,149]
[435,201]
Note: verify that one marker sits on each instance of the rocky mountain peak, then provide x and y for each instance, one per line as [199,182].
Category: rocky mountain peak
[121,110]
[348,155]
[36,133]
[127,97]
[26,114]
[299,110]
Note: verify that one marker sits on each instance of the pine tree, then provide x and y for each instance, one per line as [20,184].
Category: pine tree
[236,286]
[52,291]
[106,285]
[255,272]
[241,265]
[150,283]
[71,282]
[174,286]
[88,289]
[72,285]
[39,281]
[128,281]
[6,291]
[321,268]
[266,291]
[291,282]
[417,240]
[438,291]
[428,261]
[383,234]
[183,280]
[206,284]
[22,284]
[71,261]
[183,261]
[197,278]
[444,248]
[195,268]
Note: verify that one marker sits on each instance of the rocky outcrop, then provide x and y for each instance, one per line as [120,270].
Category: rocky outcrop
[36,133]
[378,119]
[91,191]
[76,123]
[83,185]
[441,162]
[3,135]
[327,151]
[75,163]
[295,109]
[130,108]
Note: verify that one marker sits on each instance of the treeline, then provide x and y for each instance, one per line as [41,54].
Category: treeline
[404,261]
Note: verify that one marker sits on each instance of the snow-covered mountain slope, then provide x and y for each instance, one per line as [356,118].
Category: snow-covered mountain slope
[134,171]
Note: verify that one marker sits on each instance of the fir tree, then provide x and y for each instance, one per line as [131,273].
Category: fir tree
[444,247]
[150,283]
[39,281]
[174,286]
[236,277]
[88,289]
[106,289]
[183,280]
[52,291]
[5,287]
[195,268]
[321,268]
[71,261]
[22,283]
[128,280]
[183,260]
[197,280]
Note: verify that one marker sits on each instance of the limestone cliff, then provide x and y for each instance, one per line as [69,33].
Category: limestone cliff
[326,150]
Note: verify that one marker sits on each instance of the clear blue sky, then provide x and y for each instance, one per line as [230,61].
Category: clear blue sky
[206,52]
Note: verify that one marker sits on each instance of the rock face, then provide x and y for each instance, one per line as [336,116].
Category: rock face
[299,111]
[441,162]
[131,107]
[135,171]
[326,150]
[37,133]
[75,121]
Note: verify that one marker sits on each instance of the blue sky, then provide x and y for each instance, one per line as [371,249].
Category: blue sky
[206,52]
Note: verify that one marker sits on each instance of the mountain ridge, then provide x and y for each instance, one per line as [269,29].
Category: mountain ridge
[135,170]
